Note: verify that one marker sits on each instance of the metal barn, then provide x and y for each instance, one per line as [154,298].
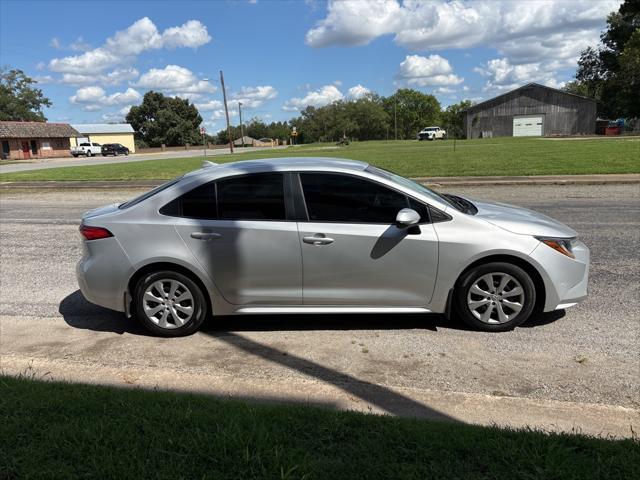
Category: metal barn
[529,111]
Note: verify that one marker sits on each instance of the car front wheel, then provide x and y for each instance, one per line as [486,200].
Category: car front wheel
[495,297]
[89,154]
[169,304]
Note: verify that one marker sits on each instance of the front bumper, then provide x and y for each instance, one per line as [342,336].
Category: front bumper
[103,272]
[565,278]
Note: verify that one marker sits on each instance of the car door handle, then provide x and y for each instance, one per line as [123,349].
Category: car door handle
[205,236]
[317,240]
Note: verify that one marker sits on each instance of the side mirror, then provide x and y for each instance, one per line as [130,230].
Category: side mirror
[407,218]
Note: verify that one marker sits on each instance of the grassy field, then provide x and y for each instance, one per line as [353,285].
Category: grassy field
[493,156]
[57,430]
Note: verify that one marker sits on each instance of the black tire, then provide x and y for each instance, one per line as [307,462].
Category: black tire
[74,155]
[89,153]
[199,304]
[461,296]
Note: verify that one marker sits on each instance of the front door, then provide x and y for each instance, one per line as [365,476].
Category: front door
[237,229]
[353,253]
[26,150]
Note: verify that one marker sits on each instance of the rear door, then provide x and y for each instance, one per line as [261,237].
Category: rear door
[353,254]
[238,229]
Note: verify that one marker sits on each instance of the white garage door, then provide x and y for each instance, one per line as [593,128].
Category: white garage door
[530,126]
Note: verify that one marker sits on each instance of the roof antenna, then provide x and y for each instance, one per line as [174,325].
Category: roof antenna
[207,164]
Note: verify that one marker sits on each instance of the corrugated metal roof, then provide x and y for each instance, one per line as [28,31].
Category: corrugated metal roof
[479,106]
[89,128]
[36,130]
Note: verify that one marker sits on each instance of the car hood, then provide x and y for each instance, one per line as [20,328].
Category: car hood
[521,220]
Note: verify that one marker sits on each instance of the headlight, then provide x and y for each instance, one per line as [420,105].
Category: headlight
[561,245]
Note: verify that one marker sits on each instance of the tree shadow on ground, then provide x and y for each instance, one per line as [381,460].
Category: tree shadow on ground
[78,313]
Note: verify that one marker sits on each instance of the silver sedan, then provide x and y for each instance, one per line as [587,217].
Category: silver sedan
[318,235]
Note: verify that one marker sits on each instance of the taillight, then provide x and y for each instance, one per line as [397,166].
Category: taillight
[94,233]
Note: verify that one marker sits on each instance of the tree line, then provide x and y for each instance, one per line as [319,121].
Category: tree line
[371,117]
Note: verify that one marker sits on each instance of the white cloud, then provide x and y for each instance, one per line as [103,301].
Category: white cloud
[219,114]
[253,97]
[94,98]
[521,31]
[502,75]
[112,78]
[192,34]
[125,45]
[55,43]
[354,22]
[175,79]
[427,71]
[209,106]
[316,98]
[358,91]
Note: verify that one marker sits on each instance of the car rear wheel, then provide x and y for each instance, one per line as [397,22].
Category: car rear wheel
[495,297]
[89,153]
[169,304]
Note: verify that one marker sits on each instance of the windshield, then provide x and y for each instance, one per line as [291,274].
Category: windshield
[415,186]
[149,194]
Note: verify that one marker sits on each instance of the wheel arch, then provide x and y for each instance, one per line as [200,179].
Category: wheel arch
[532,271]
[174,267]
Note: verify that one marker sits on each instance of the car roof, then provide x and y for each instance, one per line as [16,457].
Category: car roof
[283,164]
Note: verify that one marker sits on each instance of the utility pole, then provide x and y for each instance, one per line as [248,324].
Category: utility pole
[241,126]
[395,114]
[226,111]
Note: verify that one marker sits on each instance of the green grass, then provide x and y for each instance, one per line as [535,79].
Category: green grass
[492,156]
[57,430]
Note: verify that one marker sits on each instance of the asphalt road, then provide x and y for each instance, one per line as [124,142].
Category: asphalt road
[590,354]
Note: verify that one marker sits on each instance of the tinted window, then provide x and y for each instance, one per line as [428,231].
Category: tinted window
[85,144]
[343,198]
[252,197]
[197,203]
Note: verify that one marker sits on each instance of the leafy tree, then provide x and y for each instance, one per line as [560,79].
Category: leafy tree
[578,88]
[415,110]
[370,119]
[453,118]
[19,100]
[166,120]
[609,73]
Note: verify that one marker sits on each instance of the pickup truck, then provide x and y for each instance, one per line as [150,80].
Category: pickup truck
[86,148]
[432,133]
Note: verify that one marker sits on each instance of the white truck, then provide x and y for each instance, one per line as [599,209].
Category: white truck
[432,133]
[86,148]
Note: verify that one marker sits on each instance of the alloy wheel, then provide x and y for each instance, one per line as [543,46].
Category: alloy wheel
[495,298]
[168,303]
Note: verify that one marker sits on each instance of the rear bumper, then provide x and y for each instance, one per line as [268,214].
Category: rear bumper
[102,273]
[566,279]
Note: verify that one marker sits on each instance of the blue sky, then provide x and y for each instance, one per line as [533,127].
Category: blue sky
[94,59]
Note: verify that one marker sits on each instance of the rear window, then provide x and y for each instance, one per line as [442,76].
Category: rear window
[148,194]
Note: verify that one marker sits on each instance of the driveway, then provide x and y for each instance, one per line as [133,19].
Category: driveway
[560,371]
[136,157]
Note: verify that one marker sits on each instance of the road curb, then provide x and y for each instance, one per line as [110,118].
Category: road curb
[625,179]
